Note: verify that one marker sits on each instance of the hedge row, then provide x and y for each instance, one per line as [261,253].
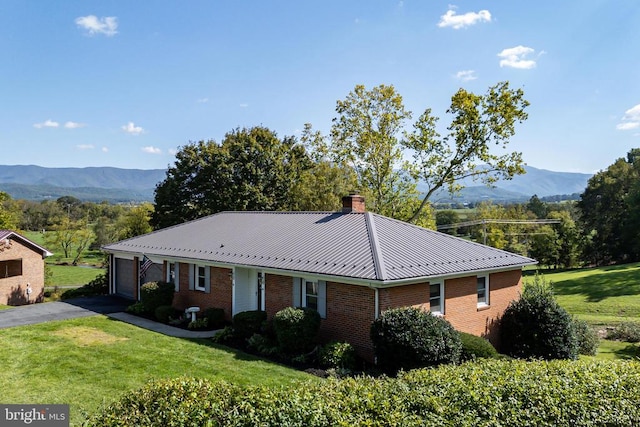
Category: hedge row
[485,393]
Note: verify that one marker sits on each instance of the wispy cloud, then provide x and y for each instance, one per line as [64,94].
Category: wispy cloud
[202,100]
[243,105]
[85,147]
[93,25]
[466,75]
[46,124]
[152,150]
[172,151]
[74,125]
[132,129]
[517,57]
[455,21]
[631,119]
[105,150]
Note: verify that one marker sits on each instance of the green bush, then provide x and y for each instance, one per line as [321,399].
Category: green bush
[535,326]
[155,294]
[486,393]
[98,286]
[475,347]
[247,323]
[296,329]
[263,345]
[164,313]
[224,335]
[408,338]
[588,340]
[625,331]
[136,308]
[337,355]
[215,317]
[199,324]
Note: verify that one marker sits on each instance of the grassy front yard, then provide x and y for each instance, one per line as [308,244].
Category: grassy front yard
[91,361]
[602,296]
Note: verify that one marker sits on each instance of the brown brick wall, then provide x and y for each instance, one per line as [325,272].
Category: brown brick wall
[405,296]
[219,297]
[13,289]
[278,293]
[461,303]
[350,311]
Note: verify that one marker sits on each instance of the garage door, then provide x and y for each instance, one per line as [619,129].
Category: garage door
[125,284]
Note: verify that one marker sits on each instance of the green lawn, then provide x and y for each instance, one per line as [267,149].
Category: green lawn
[91,361]
[604,295]
[72,275]
[616,350]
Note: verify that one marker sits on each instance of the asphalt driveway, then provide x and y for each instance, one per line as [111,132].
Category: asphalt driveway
[61,310]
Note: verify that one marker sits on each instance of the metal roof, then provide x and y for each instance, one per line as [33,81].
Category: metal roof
[355,245]
[8,234]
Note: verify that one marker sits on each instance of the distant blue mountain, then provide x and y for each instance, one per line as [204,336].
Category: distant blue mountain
[121,185]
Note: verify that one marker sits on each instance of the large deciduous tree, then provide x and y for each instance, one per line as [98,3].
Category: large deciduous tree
[252,169]
[608,207]
[370,135]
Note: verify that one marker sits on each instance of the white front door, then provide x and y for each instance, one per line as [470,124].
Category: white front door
[248,291]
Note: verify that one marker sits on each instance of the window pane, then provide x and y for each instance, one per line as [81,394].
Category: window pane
[435,298]
[311,290]
[482,290]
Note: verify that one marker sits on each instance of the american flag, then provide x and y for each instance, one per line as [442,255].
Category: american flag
[146,264]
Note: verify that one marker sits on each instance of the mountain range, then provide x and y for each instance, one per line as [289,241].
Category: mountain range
[136,185]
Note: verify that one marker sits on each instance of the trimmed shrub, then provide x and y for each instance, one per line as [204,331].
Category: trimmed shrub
[337,355]
[155,294]
[487,393]
[135,308]
[224,335]
[475,347]
[588,340]
[535,326]
[408,338]
[164,313]
[296,329]
[98,286]
[247,323]
[199,324]
[625,331]
[215,317]
[263,345]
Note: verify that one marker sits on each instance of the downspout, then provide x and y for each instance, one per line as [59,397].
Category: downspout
[376,303]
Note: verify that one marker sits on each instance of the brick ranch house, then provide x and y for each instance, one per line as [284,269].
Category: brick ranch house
[349,265]
[21,269]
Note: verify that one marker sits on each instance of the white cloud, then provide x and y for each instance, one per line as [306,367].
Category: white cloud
[46,124]
[94,25]
[516,57]
[203,100]
[132,129]
[244,105]
[172,151]
[105,150]
[152,150]
[74,125]
[631,119]
[466,75]
[85,147]
[451,19]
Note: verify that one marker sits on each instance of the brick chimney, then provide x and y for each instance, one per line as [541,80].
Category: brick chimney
[353,203]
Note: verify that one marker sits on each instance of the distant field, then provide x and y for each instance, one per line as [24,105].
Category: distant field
[64,275]
[604,295]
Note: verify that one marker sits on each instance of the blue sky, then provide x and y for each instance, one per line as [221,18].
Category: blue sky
[125,83]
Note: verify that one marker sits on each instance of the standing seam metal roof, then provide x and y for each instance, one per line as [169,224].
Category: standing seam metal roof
[362,246]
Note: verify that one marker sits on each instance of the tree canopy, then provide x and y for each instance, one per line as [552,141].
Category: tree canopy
[252,169]
[370,135]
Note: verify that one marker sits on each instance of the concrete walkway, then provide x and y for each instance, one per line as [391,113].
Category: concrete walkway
[109,305]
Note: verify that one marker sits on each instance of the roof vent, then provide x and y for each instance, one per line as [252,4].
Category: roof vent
[353,203]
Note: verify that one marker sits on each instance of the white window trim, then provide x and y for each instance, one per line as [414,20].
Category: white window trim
[196,277]
[486,290]
[442,307]
[321,296]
